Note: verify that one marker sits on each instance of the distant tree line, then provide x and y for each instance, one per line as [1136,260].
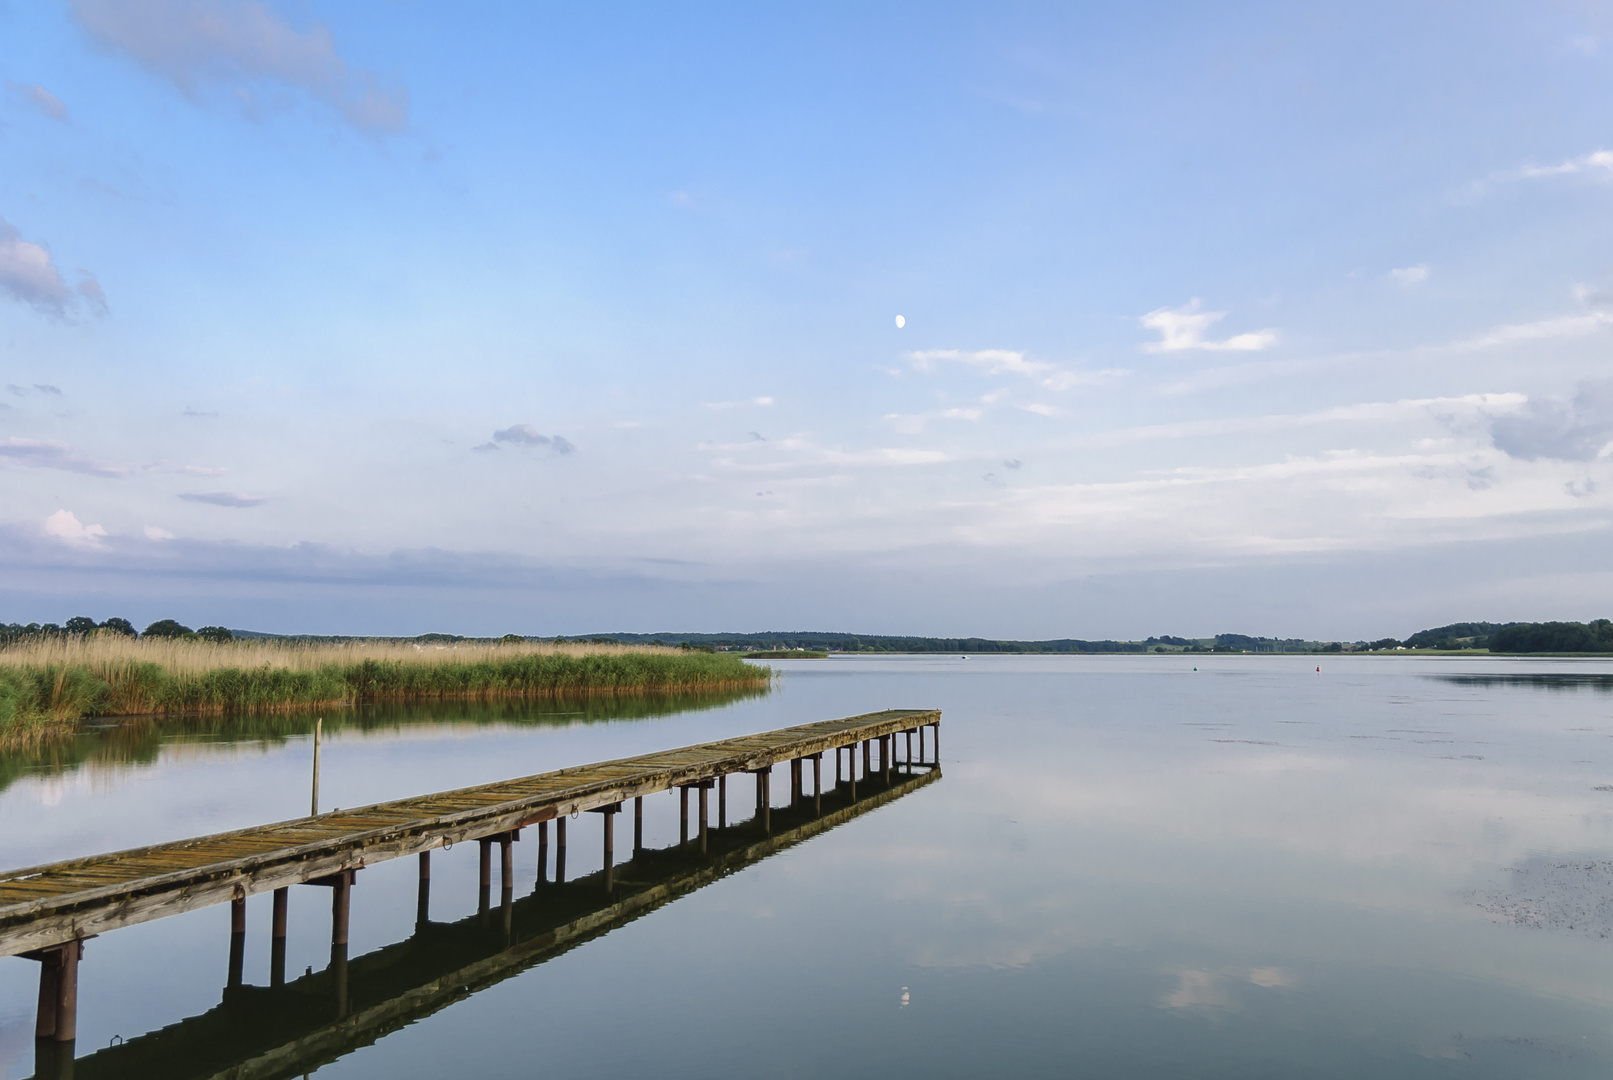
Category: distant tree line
[83,624]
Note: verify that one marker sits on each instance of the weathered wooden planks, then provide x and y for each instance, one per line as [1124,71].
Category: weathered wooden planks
[47,905]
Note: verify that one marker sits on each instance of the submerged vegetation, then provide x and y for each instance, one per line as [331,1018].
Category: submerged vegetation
[55,680]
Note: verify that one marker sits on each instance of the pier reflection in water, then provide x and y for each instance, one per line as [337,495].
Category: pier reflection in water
[290,1028]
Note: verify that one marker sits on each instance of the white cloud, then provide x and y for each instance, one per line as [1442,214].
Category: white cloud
[154,532]
[1407,276]
[1184,328]
[526,435]
[1599,164]
[1043,410]
[40,98]
[63,525]
[239,43]
[914,423]
[762,402]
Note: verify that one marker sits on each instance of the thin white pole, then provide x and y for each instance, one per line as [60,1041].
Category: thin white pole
[318,724]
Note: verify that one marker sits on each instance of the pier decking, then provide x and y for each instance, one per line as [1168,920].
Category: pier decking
[47,912]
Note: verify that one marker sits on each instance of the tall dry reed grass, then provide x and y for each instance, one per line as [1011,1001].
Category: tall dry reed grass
[60,679]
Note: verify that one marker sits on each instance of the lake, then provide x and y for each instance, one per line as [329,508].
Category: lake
[1210,866]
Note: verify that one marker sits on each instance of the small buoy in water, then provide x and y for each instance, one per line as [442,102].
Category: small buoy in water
[1195,669]
[1318,671]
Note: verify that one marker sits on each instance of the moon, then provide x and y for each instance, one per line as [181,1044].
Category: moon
[900,322]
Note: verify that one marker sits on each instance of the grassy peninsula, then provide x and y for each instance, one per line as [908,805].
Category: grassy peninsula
[52,681]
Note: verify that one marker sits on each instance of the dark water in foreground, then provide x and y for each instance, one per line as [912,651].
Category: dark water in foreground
[1125,867]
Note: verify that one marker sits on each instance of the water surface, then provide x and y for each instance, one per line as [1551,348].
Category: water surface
[1126,867]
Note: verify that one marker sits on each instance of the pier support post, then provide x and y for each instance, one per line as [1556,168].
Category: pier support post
[683,815]
[837,766]
[57,1018]
[868,765]
[937,740]
[560,851]
[909,761]
[609,814]
[722,801]
[237,937]
[506,864]
[887,747]
[638,825]
[543,852]
[817,784]
[422,907]
[484,881]
[851,768]
[704,788]
[340,895]
[277,937]
[767,801]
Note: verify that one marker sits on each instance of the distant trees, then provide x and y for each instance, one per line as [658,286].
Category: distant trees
[1462,635]
[1596,636]
[167,628]
[215,633]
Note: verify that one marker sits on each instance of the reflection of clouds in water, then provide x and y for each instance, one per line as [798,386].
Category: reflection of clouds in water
[16,1041]
[49,790]
[1270,978]
[1197,990]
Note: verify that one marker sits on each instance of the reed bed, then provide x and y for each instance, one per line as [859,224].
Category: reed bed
[59,680]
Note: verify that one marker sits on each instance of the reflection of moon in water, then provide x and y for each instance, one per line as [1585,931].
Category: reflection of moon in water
[900,322]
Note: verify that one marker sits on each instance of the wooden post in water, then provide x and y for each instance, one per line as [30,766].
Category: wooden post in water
[868,766]
[910,750]
[704,788]
[340,894]
[57,1015]
[543,852]
[722,801]
[817,784]
[851,763]
[767,801]
[683,815]
[313,810]
[937,740]
[277,937]
[506,865]
[837,766]
[638,825]
[237,936]
[609,814]
[484,881]
[422,907]
[559,851]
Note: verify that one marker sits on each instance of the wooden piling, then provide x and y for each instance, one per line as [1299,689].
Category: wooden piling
[703,789]
[722,801]
[638,825]
[50,981]
[683,815]
[559,851]
[817,783]
[341,893]
[543,852]
[506,863]
[277,937]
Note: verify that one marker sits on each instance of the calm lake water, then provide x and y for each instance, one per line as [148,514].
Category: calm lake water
[1125,867]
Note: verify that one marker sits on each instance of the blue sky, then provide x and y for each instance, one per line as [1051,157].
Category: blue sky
[385,318]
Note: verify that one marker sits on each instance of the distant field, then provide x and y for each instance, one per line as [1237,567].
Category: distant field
[56,680]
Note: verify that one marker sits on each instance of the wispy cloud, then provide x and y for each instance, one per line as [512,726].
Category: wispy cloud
[28,274]
[1484,405]
[1011,362]
[54,455]
[46,102]
[64,526]
[1599,163]
[762,402]
[1560,326]
[231,499]
[240,44]
[1183,328]
[1407,276]
[914,423]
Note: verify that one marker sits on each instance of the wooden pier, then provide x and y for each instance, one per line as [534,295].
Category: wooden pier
[47,912]
[293,1029]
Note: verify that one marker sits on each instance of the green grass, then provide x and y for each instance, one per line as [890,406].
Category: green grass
[38,696]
